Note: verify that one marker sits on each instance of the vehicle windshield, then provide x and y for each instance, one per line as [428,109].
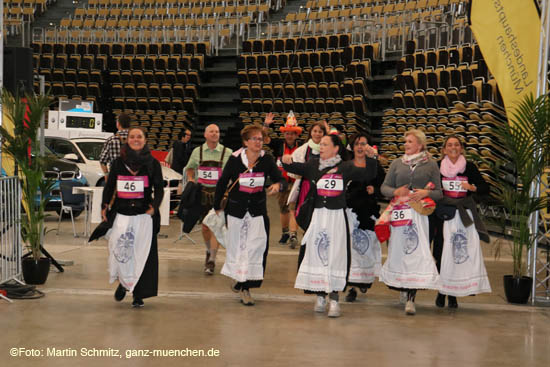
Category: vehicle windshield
[91,149]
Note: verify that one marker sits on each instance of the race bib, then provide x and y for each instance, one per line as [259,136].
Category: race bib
[330,185]
[209,175]
[452,186]
[251,182]
[131,187]
[401,215]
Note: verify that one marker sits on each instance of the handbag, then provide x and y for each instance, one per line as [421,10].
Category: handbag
[308,205]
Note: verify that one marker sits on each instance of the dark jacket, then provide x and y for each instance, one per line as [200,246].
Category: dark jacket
[365,205]
[310,171]
[180,156]
[190,207]
[240,202]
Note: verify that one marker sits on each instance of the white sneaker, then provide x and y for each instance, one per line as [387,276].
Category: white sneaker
[410,309]
[403,297]
[334,309]
[321,304]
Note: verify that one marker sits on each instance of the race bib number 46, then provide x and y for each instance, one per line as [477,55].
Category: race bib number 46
[330,185]
[209,175]
[401,216]
[131,187]
[452,187]
[251,182]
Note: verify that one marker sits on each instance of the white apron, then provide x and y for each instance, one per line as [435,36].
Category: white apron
[410,263]
[462,267]
[324,266]
[245,247]
[129,245]
[366,253]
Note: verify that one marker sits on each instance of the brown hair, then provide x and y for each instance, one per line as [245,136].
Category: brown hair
[452,136]
[321,125]
[124,120]
[249,130]
[138,128]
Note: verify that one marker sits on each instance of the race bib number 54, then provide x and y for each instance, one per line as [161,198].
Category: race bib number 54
[209,175]
[131,187]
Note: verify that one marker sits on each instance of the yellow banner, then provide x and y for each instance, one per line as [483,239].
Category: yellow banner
[507,32]
[7,162]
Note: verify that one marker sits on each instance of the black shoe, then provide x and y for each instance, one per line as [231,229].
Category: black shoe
[284,238]
[452,302]
[138,302]
[352,295]
[120,293]
[440,300]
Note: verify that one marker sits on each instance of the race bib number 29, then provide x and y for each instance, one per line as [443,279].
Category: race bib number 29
[131,187]
[330,185]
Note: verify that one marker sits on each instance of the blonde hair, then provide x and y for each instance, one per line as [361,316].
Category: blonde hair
[420,137]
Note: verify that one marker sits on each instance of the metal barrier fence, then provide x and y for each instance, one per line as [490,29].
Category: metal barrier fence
[10,230]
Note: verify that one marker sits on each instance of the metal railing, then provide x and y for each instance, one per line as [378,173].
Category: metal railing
[10,230]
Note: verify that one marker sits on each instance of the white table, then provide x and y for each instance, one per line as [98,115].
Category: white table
[94,196]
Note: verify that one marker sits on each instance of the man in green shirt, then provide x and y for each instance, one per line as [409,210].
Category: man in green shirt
[205,167]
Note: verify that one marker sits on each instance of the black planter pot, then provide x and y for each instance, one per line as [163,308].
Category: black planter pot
[517,290]
[36,272]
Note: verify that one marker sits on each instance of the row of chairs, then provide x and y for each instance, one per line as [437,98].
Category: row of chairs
[156,76]
[156,62]
[357,86]
[154,90]
[355,105]
[292,44]
[80,90]
[71,61]
[119,48]
[164,3]
[155,103]
[383,7]
[71,75]
[443,56]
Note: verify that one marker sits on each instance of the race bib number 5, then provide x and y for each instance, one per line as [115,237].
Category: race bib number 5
[330,185]
[452,187]
[401,216]
[209,175]
[131,187]
[251,182]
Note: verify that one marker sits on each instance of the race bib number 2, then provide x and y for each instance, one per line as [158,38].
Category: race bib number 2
[251,182]
[401,216]
[131,187]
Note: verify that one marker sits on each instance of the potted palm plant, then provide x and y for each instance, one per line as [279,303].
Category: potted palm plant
[525,140]
[19,135]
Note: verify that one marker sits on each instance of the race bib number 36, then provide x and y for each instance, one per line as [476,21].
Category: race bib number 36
[251,182]
[131,187]
[401,216]
[330,185]
[452,187]
[209,175]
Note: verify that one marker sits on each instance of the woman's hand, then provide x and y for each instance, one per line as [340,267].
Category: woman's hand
[419,194]
[104,214]
[150,211]
[268,119]
[468,187]
[273,189]
[370,190]
[370,151]
[401,191]
[287,159]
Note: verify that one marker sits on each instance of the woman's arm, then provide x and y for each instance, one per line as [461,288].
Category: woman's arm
[388,186]
[435,177]
[476,179]
[158,186]
[110,185]
[221,186]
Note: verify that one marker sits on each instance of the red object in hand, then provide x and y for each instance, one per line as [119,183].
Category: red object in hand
[3,292]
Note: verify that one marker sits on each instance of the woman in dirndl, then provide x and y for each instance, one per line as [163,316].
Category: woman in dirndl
[135,183]
[245,176]
[363,210]
[326,244]
[410,179]
[458,227]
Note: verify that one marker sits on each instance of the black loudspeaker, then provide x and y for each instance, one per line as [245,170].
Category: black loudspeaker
[18,71]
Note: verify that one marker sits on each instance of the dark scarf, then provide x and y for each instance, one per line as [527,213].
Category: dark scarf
[135,159]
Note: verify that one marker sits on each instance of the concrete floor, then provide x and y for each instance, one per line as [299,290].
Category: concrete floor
[78,316]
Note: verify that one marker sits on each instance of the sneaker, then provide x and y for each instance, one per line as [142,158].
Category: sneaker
[334,309]
[452,302]
[209,268]
[293,242]
[410,309]
[403,297]
[246,299]
[320,304]
[352,295]
[138,303]
[440,300]
[284,238]
[120,293]
[233,287]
